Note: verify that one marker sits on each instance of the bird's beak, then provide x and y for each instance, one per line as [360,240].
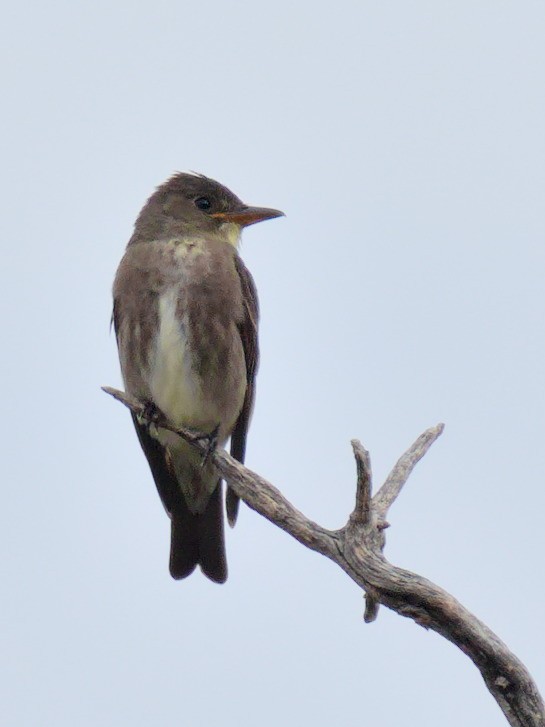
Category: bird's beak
[248,215]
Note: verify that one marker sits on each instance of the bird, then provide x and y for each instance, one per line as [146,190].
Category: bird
[185,314]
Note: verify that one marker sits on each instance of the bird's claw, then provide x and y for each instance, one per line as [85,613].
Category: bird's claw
[211,441]
[149,415]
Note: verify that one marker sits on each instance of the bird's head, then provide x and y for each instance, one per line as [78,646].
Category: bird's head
[192,204]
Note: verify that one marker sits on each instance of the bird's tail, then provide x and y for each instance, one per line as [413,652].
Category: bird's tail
[198,539]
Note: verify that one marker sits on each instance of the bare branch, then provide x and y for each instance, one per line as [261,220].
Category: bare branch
[131,402]
[362,513]
[357,549]
[258,494]
[401,472]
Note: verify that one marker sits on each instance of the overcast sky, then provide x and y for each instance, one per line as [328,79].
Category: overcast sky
[405,142]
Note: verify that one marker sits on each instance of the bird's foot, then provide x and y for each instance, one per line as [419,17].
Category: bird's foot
[150,415]
[211,441]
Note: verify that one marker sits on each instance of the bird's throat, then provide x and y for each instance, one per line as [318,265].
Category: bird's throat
[231,232]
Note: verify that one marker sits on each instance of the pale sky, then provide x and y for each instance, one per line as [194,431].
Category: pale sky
[405,143]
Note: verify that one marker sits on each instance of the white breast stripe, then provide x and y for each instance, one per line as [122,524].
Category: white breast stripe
[173,388]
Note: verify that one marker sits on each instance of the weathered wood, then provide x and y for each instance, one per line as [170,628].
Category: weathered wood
[357,549]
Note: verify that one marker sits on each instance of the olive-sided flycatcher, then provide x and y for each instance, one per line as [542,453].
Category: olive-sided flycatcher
[185,317]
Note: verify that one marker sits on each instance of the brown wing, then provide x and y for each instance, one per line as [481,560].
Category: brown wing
[165,481]
[248,334]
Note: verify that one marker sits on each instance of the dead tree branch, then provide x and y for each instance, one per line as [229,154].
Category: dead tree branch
[357,549]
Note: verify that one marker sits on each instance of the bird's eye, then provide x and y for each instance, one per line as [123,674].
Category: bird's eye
[203,203]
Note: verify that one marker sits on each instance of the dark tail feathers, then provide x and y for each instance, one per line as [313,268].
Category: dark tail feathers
[198,540]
